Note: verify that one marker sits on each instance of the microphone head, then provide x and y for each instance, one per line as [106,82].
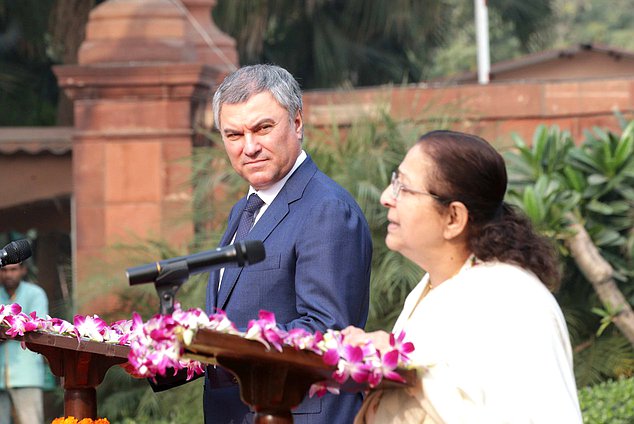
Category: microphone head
[16,252]
[252,250]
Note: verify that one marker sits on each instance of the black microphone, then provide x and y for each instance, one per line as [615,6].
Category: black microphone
[242,253]
[15,252]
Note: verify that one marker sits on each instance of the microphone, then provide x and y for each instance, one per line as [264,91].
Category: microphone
[246,252]
[15,252]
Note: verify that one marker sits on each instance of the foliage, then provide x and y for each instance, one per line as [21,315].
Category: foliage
[596,21]
[554,176]
[328,43]
[28,90]
[610,402]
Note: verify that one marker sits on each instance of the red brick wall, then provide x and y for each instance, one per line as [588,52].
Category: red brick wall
[494,111]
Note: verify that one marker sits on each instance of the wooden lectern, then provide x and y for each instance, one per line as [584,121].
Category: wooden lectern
[81,364]
[271,382]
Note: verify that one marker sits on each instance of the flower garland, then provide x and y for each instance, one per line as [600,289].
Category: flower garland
[155,346]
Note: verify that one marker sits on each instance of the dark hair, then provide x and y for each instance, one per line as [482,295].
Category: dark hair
[469,170]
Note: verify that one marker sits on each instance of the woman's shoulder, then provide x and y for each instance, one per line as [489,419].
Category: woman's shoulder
[498,272]
[505,280]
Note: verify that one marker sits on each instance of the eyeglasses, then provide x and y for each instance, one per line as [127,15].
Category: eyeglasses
[397,187]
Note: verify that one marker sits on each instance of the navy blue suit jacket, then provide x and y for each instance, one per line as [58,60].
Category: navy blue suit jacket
[315,276]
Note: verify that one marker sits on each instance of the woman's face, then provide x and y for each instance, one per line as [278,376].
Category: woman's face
[415,224]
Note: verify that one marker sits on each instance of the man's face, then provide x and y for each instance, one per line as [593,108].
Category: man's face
[261,142]
[11,275]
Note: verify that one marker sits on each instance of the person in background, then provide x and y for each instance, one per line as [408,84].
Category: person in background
[21,370]
[491,343]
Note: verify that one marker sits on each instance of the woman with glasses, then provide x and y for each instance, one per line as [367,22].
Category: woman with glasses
[491,342]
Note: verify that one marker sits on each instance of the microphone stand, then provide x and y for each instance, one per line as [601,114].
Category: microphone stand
[167,283]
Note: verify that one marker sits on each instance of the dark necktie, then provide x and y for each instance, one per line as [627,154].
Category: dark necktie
[248,216]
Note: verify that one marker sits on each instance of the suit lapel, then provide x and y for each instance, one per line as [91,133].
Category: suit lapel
[272,217]
[224,241]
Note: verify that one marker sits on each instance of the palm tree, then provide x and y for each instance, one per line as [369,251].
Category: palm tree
[330,43]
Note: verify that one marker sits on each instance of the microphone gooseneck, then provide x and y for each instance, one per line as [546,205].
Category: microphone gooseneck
[241,253]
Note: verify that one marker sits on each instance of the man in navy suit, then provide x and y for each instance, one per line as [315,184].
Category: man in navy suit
[318,246]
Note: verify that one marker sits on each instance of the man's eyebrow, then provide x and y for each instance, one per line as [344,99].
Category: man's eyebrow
[262,121]
[229,131]
[251,126]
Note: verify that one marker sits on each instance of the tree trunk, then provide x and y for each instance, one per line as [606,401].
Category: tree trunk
[599,272]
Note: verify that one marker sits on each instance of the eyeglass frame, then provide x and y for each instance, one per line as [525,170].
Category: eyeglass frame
[398,186]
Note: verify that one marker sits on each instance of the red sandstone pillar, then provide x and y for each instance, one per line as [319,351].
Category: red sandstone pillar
[139,91]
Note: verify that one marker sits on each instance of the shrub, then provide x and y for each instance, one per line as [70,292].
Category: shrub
[610,402]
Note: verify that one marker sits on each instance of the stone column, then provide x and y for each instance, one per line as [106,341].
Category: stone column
[138,93]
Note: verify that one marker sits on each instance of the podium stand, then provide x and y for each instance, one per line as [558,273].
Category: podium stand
[271,382]
[81,364]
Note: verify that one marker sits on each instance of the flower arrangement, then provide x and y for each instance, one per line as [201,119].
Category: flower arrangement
[73,420]
[158,344]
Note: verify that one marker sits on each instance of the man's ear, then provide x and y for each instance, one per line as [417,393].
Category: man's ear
[298,122]
[456,221]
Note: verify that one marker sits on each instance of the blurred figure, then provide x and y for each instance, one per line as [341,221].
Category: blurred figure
[491,342]
[21,370]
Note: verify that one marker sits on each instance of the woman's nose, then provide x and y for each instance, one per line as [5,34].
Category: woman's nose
[387,199]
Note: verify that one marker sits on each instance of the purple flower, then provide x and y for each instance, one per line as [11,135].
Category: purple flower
[8,310]
[59,326]
[92,328]
[265,331]
[19,324]
[403,348]
[321,388]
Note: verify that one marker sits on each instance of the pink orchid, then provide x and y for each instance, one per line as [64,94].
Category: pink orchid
[8,310]
[220,322]
[265,331]
[194,368]
[301,339]
[20,324]
[120,331]
[92,328]
[403,348]
[321,388]
[59,326]
[386,368]
[352,364]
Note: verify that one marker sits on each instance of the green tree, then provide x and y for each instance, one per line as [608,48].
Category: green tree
[28,89]
[594,21]
[582,196]
[330,43]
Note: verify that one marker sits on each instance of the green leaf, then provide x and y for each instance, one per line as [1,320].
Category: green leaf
[596,179]
[608,237]
[533,205]
[620,206]
[574,179]
[599,207]
[625,147]
[584,161]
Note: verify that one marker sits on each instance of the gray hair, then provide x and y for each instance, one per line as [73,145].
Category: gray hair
[248,81]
